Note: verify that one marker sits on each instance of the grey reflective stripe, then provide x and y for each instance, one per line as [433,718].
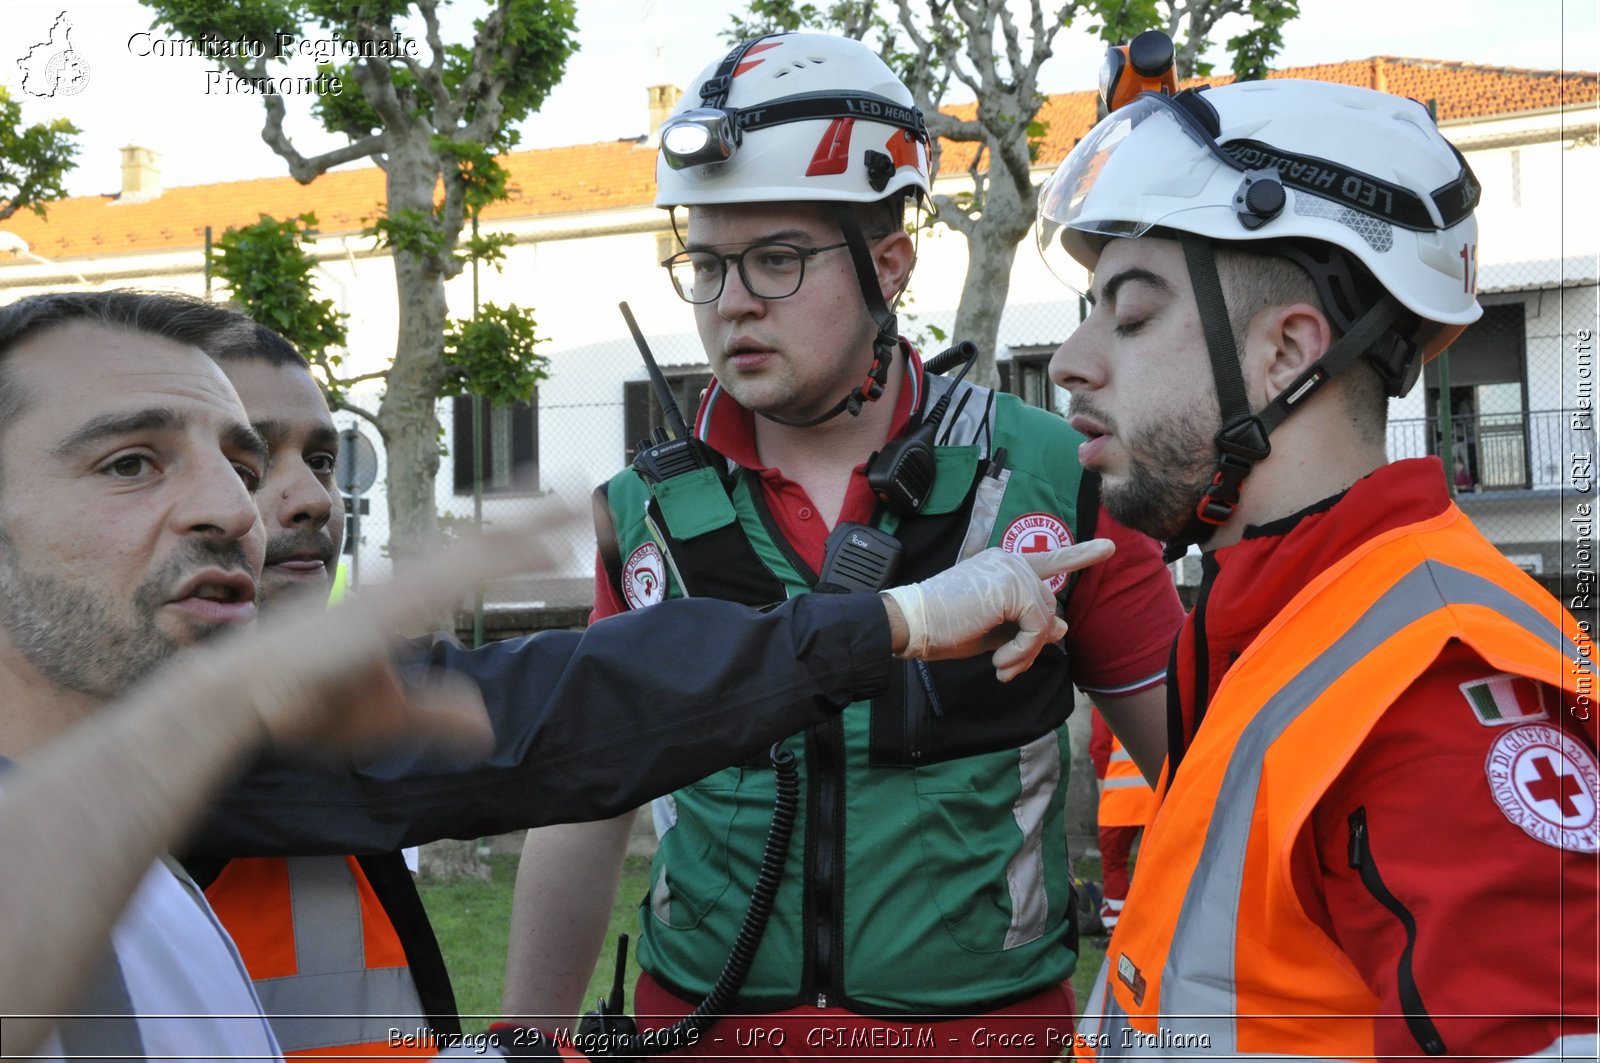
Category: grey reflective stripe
[985,513]
[661,898]
[972,424]
[327,915]
[1107,1029]
[1122,783]
[1199,976]
[1039,771]
[105,1026]
[1121,754]
[1574,1046]
[1098,1019]
[334,998]
[304,1012]
[664,813]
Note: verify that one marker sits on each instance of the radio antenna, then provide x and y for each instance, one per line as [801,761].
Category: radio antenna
[669,405]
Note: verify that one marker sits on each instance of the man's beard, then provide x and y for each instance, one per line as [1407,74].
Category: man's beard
[1169,468]
[81,640]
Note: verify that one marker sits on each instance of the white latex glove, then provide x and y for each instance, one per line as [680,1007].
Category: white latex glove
[994,600]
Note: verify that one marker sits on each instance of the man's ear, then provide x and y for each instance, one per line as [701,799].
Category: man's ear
[1293,337]
[894,255]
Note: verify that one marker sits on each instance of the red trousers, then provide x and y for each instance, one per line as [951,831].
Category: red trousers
[1038,1028]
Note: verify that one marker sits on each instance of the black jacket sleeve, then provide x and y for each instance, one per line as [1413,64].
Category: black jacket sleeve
[587,726]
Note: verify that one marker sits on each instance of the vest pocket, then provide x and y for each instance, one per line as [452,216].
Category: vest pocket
[988,847]
[940,711]
[1361,860]
[690,872]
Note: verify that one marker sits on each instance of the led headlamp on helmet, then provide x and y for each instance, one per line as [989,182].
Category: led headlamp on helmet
[801,117]
[1357,187]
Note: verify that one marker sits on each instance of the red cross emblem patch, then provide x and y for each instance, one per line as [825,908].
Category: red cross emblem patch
[1546,782]
[1036,533]
[644,579]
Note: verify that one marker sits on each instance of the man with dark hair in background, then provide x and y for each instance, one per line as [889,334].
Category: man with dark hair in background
[128,533]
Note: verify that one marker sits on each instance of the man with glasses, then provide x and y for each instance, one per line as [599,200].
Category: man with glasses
[927,874]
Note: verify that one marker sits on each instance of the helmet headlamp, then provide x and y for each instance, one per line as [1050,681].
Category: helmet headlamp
[700,136]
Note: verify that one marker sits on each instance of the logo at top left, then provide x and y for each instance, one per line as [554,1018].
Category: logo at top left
[53,67]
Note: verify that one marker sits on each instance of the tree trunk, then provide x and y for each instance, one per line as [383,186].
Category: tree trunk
[991,250]
[408,417]
[451,859]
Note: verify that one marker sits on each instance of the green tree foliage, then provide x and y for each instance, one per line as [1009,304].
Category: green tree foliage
[492,354]
[1190,23]
[34,159]
[268,274]
[433,114]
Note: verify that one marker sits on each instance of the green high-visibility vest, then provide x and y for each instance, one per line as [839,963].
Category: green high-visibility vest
[928,870]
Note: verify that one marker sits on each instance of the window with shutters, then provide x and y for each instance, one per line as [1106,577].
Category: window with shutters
[641,413]
[1027,376]
[510,437]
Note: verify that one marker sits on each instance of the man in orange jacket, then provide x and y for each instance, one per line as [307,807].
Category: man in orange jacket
[1382,733]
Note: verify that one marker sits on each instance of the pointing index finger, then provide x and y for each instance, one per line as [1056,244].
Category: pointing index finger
[1070,558]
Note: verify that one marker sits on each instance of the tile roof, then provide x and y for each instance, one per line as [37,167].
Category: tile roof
[1459,91]
[595,177]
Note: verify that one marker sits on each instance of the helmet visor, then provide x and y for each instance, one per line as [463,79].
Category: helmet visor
[1148,150]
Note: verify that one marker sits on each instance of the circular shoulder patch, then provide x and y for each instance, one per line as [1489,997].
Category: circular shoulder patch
[1037,533]
[644,580]
[1546,782]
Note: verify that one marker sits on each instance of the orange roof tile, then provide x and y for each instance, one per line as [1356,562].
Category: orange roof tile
[590,177]
[1459,90]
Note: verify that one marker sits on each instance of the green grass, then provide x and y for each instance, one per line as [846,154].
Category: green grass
[473,924]
[472,921]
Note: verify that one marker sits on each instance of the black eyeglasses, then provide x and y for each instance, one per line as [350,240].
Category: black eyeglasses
[769,271]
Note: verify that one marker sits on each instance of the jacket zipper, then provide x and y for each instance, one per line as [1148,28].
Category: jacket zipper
[1417,1020]
[1178,734]
[825,816]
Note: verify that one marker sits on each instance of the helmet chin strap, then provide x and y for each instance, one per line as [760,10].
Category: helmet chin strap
[1242,441]
[884,344]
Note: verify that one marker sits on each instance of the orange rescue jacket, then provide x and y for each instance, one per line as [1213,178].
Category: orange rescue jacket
[1126,800]
[319,946]
[1214,953]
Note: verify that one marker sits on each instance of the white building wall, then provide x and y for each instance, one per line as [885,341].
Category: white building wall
[1538,225]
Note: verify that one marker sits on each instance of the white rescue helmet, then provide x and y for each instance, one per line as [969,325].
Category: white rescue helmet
[1278,160]
[793,117]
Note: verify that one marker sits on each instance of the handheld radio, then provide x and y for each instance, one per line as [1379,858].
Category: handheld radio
[670,451]
[901,474]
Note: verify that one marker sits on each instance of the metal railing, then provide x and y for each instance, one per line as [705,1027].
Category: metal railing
[1503,451]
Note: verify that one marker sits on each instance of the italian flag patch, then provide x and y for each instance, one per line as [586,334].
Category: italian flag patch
[1503,699]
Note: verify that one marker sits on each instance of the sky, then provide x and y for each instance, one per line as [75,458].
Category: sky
[173,104]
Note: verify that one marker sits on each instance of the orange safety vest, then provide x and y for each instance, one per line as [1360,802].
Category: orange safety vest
[1126,800]
[326,961]
[1214,953]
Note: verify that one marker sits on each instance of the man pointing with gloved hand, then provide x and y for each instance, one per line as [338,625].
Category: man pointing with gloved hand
[947,616]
